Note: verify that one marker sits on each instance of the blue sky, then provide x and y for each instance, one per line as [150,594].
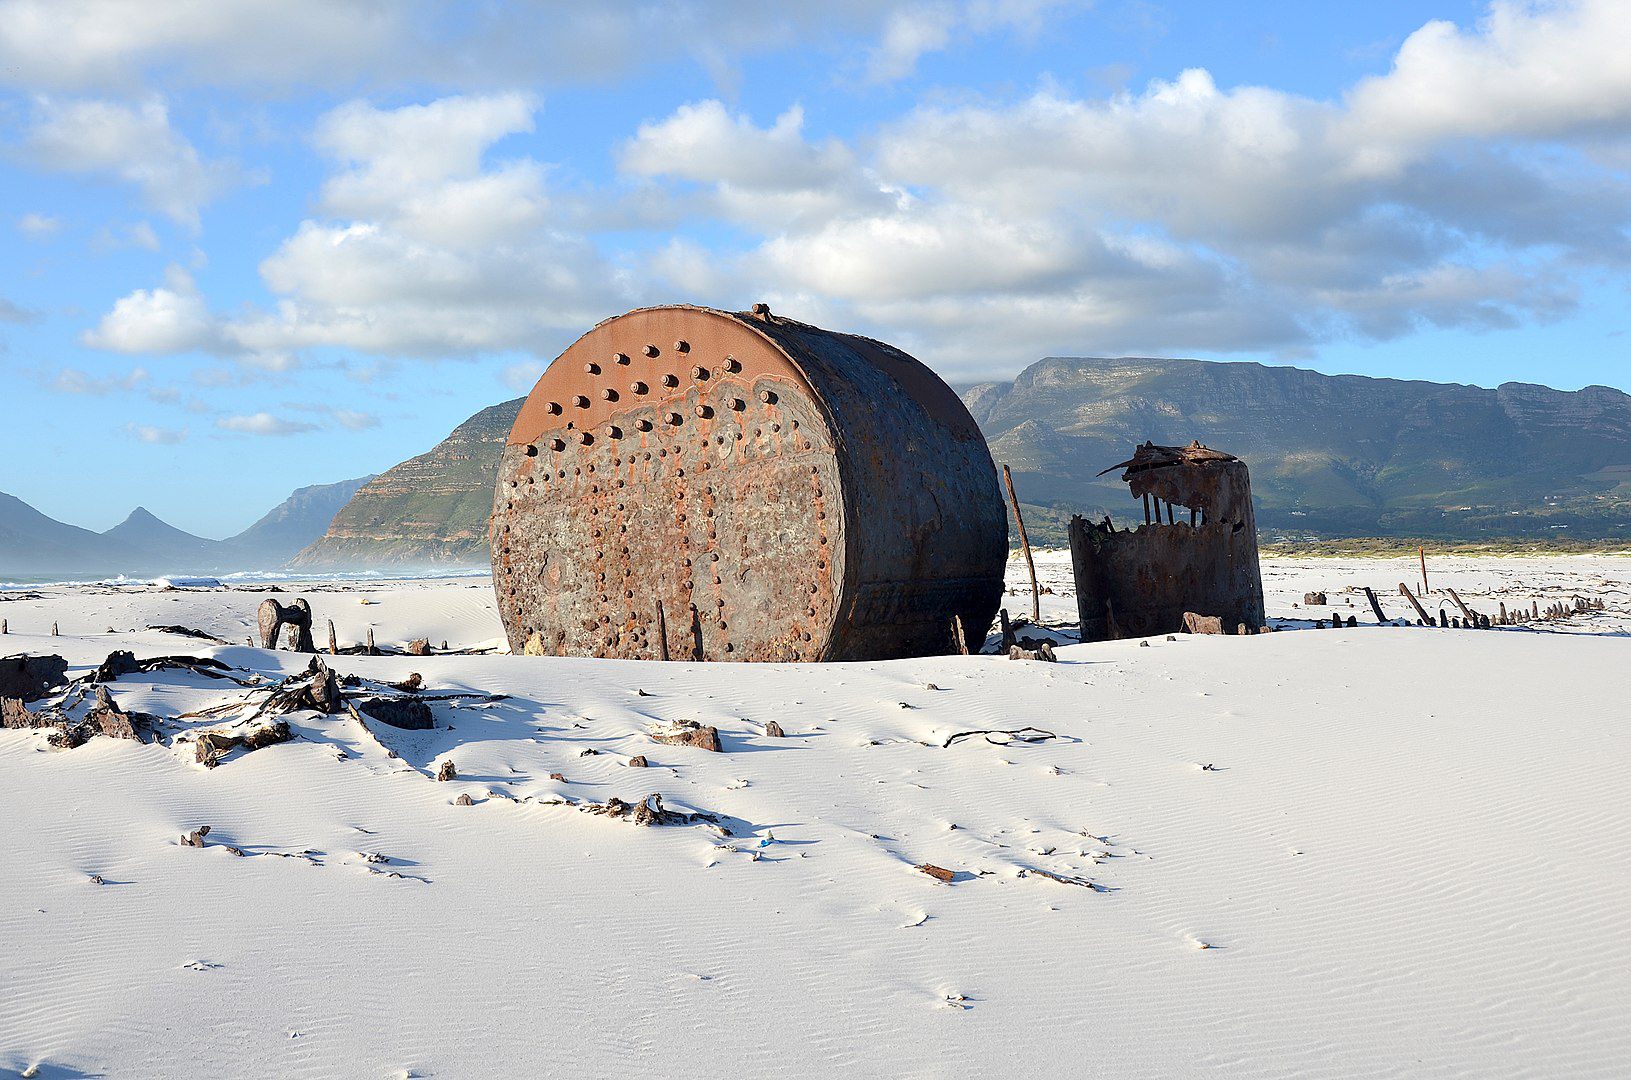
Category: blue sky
[254,245]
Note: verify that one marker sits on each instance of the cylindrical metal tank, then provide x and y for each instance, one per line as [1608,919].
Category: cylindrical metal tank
[714,485]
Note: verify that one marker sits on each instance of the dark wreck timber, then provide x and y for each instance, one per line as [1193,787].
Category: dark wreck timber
[692,484]
[1196,551]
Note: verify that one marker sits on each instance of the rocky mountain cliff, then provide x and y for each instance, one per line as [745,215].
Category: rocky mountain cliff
[429,511]
[1330,455]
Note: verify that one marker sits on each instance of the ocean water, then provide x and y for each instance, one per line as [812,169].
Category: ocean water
[246,577]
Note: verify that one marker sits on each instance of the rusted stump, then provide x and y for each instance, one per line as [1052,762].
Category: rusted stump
[446,771]
[939,873]
[333,645]
[1202,624]
[1007,631]
[1375,604]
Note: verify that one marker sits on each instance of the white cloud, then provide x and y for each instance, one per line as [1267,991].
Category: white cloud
[168,319]
[36,226]
[148,433]
[264,423]
[74,381]
[101,44]
[135,144]
[13,313]
[436,250]
[354,420]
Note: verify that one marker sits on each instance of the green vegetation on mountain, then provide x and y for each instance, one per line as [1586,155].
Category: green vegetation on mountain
[1331,456]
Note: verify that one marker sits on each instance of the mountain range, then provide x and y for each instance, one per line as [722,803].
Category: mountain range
[1330,456]
[33,545]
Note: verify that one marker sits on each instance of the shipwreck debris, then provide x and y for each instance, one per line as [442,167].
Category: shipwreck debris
[691,483]
[31,678]
[273,617]
[687,733]
[1140,582]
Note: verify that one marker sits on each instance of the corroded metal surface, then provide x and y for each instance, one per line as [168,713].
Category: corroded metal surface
[1137,582]
[779,491]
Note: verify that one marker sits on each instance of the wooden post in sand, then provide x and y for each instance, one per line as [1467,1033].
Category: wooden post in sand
[1036,594]
[333,646]
[53,629]
[662,633]
[1466,612]
[958,638]
[1007,632]
[371,650]
[1421,612]
[1421,553]
[4,629]
[1375,605]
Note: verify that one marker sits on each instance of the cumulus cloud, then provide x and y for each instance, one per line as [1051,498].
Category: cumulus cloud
[149,433]
[134,143]
[430,248]
[36,226]
[172,318]
[74,381]
[1191,216]
[263,423]
[100,44]
[1472,185]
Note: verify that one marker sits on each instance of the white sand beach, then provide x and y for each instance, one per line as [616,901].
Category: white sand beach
[1379,851]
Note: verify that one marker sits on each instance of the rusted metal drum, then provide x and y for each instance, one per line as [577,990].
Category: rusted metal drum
[710,485]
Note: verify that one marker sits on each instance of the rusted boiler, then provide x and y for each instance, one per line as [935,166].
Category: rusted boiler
[1196,551]
[687,483]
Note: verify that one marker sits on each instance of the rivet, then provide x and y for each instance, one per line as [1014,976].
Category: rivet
[591,368]
[637,387]
[558,445]
[650,350]
[768,397]
[670,379]
[672,418]
[761,309]
[620,358]
[613,431]
[642,424]
[737,404]
[553,408]
[532,450]
[580,401]
[732,364]
[699,372]
[704,411]
[608,394]
[585,438]
[682,346]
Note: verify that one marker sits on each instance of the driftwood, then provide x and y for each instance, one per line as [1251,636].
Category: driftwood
[939,873]
[773,730]
[649,811]
[1043,652]
[1025,734]
[212,746]
[273,617]
[187,631]
[196,837]
[959,640]
[316,688]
